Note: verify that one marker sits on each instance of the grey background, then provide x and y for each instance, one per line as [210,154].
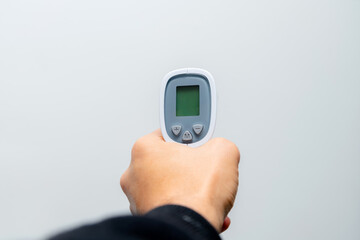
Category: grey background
[79,83]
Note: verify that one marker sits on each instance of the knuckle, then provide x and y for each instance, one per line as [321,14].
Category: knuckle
[229,147]
[235,151]
[219,141]
[138,146]
[222,140]
[124,180]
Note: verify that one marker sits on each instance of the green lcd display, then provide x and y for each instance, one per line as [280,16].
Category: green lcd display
[187,101]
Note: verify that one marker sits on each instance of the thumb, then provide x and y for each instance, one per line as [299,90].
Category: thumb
[155,136]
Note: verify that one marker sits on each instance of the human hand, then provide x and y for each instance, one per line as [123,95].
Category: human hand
[204,179]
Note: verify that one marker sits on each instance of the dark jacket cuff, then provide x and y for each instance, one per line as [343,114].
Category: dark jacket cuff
[186,220]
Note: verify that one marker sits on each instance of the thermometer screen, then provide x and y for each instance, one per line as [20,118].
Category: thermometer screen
[187,101]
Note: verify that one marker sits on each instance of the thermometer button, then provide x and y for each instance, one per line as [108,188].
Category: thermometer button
[176,129]
[187,137]
[198,128]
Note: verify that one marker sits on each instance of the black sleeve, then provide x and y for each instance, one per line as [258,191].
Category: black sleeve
[163,223]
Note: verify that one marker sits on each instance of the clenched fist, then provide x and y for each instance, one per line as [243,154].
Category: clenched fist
[204,179]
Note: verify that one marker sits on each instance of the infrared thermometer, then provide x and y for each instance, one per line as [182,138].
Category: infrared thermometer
[188,106]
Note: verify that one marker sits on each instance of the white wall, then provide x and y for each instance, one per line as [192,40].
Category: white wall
[79,83]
